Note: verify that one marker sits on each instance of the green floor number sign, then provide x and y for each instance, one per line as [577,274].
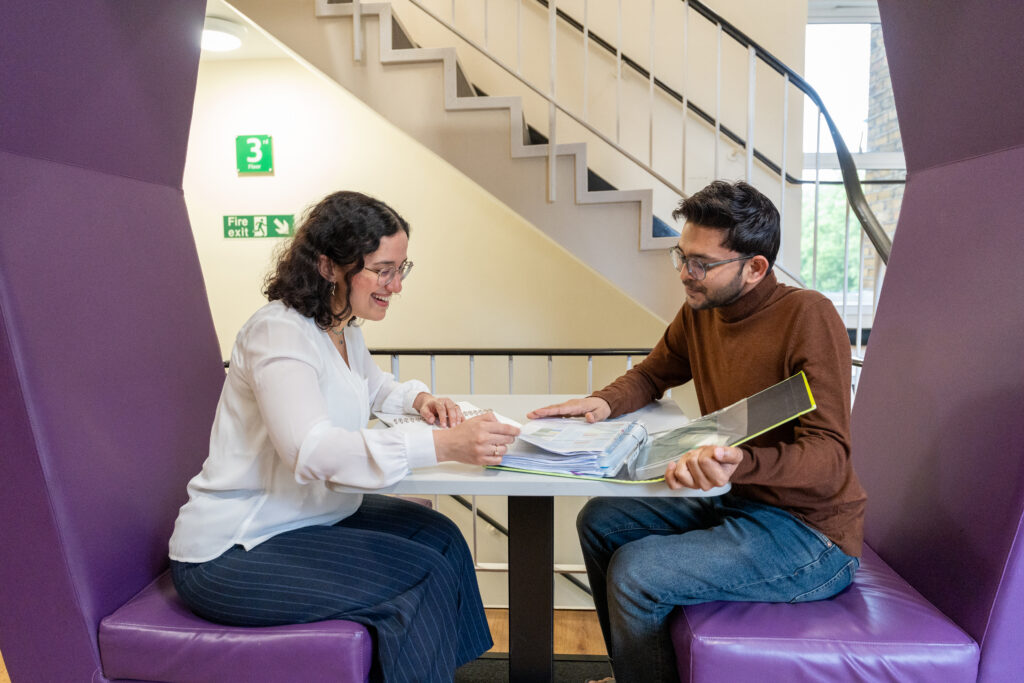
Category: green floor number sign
[259,226]
[254,154]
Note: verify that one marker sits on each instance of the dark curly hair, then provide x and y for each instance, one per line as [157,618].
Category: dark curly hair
[749,218]
[345,227]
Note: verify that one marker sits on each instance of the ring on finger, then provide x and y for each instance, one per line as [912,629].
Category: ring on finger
[497,451]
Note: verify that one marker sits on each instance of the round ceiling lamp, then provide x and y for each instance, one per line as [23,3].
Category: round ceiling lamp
[222,35]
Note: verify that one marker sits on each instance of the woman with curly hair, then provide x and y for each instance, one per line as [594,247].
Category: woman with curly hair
[263,540]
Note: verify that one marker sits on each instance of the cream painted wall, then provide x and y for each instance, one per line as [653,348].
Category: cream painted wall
[483,276]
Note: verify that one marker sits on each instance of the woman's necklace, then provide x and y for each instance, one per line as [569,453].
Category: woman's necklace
[340,334]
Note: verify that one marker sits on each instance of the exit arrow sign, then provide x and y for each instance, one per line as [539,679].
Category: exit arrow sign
[262,225]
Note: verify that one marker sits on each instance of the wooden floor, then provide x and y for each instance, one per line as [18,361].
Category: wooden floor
[577,632]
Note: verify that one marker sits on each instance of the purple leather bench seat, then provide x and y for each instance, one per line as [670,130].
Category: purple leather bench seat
[879,629]
[154,637]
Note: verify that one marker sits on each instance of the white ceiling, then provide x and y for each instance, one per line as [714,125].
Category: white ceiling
[255,44]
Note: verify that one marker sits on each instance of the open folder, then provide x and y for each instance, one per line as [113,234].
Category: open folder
[730,426]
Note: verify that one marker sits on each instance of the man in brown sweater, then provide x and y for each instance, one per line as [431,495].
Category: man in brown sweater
[790,529]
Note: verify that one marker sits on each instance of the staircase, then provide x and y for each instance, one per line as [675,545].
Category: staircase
[426,94]
[423,92]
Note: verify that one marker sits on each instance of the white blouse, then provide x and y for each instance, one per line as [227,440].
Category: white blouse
[292,416]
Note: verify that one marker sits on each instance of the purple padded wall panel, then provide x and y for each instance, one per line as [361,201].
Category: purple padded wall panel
[114,345]
[956,77]
[938,425]
[32,629]
[101,84]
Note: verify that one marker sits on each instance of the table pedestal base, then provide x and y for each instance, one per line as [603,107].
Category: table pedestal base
[531,588]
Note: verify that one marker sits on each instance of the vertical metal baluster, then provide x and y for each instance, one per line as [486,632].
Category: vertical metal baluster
[357,30]
[553,61]
[618,78]
[472,358]
[519,37]
[511,371]
[586,55]
[590,374]
[718,98]
[629,362]
[846,258]
[476,554]
[817,186]
[751,106]
[550,372]
[433,374]
[877,286]
[650,95]
[860,293]
[686,62]
[785,145]
[394,366]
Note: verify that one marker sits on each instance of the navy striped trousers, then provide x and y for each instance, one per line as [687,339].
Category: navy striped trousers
[396,567]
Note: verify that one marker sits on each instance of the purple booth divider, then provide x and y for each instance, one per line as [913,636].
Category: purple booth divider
[937,425]
[100,84]
[109,364]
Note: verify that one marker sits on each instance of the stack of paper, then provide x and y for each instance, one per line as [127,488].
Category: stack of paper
[574,446]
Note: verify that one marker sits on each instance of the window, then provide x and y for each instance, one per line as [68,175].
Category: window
[845,63]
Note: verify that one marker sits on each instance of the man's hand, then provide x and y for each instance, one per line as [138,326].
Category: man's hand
[444,411]
[593,408]
[703,468]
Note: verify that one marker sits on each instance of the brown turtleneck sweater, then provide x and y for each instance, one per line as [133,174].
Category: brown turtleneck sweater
[731,352]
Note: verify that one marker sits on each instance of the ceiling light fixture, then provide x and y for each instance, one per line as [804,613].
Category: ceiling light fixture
[222,35]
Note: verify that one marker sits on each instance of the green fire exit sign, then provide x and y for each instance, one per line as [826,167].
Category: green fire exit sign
[259,226]
[254,154]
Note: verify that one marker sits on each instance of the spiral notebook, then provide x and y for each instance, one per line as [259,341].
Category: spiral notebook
[730,426]
[468,411]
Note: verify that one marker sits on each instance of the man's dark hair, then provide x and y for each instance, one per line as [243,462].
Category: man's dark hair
[344,226]
[750,219]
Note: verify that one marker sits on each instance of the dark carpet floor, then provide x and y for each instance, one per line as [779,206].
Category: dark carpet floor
[493,668]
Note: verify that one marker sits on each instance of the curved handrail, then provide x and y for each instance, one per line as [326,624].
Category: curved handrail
[854,192]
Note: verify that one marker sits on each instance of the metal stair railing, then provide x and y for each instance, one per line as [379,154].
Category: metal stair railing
[851,181]
[554,105]
[869,223]
[566,571]
[856,201]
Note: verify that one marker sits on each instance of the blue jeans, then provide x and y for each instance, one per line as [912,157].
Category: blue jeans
[644,556]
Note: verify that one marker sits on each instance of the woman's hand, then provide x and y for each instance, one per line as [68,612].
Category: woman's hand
[480,441]
[703,468]
[443,411]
